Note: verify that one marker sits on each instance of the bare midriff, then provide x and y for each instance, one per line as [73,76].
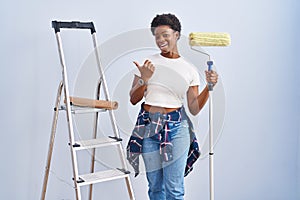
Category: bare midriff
[154,109]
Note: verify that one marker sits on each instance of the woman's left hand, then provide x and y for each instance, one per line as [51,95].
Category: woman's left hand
[211,77]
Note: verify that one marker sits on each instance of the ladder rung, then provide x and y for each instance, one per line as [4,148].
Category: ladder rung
[102,176]
[82,110]
[94,143]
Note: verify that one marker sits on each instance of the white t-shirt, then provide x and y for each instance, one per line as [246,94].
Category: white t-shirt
[170,81]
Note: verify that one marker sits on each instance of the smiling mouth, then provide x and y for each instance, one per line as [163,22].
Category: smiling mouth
[163,45]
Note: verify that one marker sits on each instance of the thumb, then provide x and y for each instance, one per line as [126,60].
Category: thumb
[136,64]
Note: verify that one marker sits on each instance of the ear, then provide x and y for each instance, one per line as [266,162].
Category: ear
[177,35]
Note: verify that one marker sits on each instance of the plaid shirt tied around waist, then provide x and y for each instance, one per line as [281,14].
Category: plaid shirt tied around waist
[157,126]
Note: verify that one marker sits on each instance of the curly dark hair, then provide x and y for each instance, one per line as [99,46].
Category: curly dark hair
[166,19]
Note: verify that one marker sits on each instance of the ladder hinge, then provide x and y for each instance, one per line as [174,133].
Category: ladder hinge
[75,145]
[116,138]
[79,181]
[124,171]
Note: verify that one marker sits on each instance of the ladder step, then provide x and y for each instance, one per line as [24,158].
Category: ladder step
[94,143]
[102,176]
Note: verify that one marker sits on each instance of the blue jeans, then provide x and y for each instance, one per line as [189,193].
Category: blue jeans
[166,179]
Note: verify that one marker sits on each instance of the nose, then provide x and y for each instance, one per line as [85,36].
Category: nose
[159,38]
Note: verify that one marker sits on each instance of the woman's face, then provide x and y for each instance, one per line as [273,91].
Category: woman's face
[166,39]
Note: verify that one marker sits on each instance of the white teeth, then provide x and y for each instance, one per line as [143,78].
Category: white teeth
[163,45]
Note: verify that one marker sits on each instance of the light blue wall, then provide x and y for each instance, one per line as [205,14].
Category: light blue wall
[257,156]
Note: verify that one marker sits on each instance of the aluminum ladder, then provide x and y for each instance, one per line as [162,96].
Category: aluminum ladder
[74,105]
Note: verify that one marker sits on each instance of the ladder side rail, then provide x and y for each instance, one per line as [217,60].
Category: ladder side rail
[69,115]
[112,117]
[92,170]
[51,142]
[129,188]
[106,93]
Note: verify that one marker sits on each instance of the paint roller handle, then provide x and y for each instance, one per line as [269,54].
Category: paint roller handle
[57,25]
[210,64]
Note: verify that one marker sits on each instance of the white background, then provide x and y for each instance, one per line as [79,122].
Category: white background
[257,156]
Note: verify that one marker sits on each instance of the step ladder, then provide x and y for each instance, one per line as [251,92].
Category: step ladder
[75,105]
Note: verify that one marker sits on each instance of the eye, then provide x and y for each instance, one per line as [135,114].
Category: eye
[166,35]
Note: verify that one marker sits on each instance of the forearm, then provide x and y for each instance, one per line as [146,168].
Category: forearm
[197,101]
[202,98]
[137,93]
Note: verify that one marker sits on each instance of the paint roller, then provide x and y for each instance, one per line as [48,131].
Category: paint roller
[209,39]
